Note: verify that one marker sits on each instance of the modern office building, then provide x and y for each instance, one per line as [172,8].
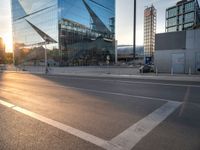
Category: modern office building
[80,32]
[178,52]
[2,51]
[183,16]
[2,45]
[149,33]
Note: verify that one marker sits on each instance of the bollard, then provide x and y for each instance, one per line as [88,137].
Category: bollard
[190,71]
[156,71]
[172,71]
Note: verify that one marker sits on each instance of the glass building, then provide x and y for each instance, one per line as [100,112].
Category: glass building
[2,51]
[149,32]
[79,32]
[183,16]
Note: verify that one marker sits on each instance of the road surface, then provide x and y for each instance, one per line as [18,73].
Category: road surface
[91,113]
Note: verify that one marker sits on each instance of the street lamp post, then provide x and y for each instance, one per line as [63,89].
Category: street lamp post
[45,55]
[134,30]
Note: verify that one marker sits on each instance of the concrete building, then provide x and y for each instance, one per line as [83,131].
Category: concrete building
[184,15]
[178,52]
[149,33]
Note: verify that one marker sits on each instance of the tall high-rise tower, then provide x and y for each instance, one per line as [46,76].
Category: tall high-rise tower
[149,32]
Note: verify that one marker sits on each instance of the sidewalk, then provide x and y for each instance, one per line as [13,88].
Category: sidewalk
[194,78]
[110,72]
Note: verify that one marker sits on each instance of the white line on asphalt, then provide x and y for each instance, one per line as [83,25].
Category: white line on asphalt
[133,82]
[124,141]
[6,104]
[122,81]
[83,135]
[119,94]
[131,136]
[78,133]
[102,92]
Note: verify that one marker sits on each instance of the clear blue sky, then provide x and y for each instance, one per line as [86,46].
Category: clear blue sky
[124,21]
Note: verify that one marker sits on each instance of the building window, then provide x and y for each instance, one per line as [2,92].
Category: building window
[180,19]
[189,7]
[180,9]
[172,29]
[189,17]
[172,12]
[180,28]
[172,22]
[188,25]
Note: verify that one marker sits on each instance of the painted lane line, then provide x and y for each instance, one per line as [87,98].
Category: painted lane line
[124,141]
[185,101]
[118,94]
[78,133]
[6,104]
[121,81]
[102,92]
[61,126]
[131,136]
[133,82]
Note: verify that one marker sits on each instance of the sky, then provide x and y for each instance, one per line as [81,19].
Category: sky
[124,20]
[5,23]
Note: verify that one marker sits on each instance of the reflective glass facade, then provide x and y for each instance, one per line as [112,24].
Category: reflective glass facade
[185,15]
[79,32]
[2,51]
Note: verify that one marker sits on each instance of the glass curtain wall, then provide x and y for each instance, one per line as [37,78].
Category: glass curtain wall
[78,32]
[86,32]
[34,26]
[183,16]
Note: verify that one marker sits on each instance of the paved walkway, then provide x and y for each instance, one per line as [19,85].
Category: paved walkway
[113,72]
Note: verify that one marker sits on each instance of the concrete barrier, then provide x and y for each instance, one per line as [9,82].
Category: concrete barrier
[83,70]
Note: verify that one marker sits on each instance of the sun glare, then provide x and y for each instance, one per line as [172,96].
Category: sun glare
[8,43]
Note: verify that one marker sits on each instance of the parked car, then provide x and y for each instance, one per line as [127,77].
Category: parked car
[146,69]
[2,67]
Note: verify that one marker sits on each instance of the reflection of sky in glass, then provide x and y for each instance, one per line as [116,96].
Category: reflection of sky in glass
[17,9]
[76,11]
[124,18]
[36,13]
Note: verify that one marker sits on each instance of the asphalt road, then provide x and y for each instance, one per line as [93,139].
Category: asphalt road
[83,113]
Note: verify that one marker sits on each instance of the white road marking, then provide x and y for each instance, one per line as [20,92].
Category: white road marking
[130,82]
[185,101]
[131,136]
[121,81]
[78,133]
[124,141]
[119,94]
[98,91]
[6,104]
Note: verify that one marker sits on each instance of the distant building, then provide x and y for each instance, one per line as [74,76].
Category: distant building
[2,51]
[125,53]
[184,15]
[2,45]
[149,32]
[178,52]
